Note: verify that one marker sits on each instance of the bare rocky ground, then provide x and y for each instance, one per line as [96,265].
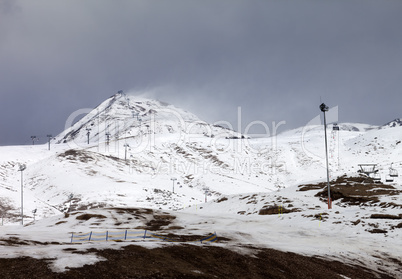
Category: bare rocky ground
[190,261]
[360,190]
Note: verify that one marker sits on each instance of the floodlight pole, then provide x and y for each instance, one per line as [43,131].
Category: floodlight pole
[22,199]
[324,108]
[22,168]
[173,179]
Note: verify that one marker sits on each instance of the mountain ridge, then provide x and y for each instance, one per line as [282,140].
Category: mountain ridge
[394,123]
[123,115]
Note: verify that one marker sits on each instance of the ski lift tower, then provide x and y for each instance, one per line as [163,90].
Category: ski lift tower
[88,133]
[49,137]
[34,212]
[33,138]
[107,138]
[125,151]
[173,179]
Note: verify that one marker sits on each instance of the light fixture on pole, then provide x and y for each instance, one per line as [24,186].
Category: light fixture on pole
[173,179]
[325,108]
[21,169]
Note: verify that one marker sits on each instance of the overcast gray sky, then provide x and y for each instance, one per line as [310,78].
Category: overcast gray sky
[274,58]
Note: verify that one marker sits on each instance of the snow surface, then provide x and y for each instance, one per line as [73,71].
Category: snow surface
[135,169]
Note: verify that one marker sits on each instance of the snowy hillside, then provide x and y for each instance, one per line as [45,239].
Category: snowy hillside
[146,154]
[359,238]
[150,143]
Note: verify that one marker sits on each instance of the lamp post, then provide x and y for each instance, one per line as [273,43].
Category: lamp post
[173,179]
[325,108]
[21,169]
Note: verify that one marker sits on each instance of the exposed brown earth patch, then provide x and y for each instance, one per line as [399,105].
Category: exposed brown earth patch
[360,190]
[190,261]
[275,209]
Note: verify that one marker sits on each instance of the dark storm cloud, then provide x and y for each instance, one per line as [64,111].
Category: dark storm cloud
[273,58]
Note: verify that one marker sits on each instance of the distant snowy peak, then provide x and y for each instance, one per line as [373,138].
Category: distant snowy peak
[394,123]
[356,127]
[124,116]
[350,127]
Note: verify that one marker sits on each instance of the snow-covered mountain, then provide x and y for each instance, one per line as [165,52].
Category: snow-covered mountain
[144,153]
[123,116]
[394,123]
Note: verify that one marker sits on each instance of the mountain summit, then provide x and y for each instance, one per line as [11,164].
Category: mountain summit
[394,123]
[123,116]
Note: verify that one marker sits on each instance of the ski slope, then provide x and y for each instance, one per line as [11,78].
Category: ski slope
[136,146]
